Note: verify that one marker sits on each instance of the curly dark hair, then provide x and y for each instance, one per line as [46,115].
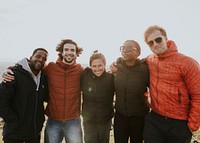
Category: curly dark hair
[60,45]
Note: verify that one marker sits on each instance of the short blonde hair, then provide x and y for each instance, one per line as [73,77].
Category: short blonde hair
[151,29]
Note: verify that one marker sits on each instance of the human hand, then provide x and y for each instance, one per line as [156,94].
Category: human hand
[113,67]
[8,76]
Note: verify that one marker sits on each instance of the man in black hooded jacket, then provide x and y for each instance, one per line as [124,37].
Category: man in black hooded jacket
[21,100]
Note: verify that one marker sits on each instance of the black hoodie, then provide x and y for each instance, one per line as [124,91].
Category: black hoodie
[22,105]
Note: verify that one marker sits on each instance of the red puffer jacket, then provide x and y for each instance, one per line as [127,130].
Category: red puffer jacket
[65,92]
[175,86]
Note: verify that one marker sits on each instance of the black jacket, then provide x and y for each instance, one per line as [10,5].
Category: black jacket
[21,106]
[130,85]
[98,95]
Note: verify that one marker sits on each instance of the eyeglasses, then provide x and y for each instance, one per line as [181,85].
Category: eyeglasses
[126,49]
[157,40]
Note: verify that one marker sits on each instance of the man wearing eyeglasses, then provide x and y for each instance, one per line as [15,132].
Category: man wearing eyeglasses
[174,91]
[131,81]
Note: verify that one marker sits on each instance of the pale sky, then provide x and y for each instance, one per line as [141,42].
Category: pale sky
[95,25]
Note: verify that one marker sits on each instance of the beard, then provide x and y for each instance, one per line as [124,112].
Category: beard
[69,60]
[160,49]
[36,67]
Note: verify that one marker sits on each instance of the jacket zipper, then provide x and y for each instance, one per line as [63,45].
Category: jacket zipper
[156,96]
[125,97]
[35,114]
[65,93]
[179,97]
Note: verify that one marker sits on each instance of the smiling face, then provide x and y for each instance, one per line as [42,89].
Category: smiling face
[157,42]
[37,61]
[98,67]
[130,51]
[69,53]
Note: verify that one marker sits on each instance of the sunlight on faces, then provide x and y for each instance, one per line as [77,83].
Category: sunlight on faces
[157,42]
[98,67]
[129,51]
[37,61]
[69,53]
[126,49]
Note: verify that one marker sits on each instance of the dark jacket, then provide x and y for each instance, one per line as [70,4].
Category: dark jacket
[21,106]
[98,95]
[130,85]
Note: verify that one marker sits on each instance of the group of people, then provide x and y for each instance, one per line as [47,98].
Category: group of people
[171,80]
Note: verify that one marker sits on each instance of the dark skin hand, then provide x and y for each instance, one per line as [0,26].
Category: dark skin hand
[113,67]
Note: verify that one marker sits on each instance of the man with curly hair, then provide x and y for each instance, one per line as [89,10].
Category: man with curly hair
[63,109]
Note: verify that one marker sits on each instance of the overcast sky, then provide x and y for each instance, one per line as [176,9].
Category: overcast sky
[95,25]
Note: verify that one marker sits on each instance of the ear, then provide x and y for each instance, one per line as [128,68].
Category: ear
[165,38]
[138,53]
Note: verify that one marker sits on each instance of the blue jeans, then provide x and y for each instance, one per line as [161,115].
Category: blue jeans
[71,130]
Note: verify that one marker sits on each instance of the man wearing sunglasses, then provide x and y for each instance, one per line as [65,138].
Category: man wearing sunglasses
[174,91]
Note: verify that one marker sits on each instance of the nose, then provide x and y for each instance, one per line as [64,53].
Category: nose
[69,52]
[42,60]
[96,68]
[155,43]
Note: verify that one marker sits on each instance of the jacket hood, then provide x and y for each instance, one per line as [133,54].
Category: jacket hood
[25,65]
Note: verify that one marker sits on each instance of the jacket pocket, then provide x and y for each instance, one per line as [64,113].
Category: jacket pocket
[179,97]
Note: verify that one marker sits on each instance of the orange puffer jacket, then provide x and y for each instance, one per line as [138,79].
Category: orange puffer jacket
[65,92]
[175,86]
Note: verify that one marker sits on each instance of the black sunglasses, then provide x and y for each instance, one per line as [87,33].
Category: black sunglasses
[157,40]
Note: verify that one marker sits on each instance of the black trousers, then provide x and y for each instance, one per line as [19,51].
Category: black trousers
[95,133]
[159,129]
[34,140]
[128,128]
